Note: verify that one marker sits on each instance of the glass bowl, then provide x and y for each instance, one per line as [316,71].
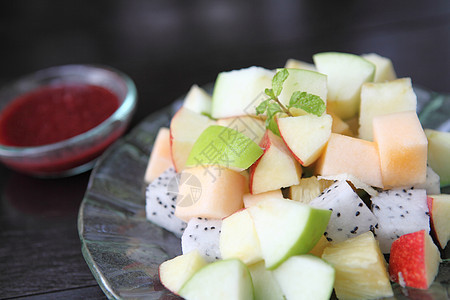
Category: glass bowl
[124,250]
[76,154]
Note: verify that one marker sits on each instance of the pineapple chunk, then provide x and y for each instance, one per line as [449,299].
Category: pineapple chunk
[308,189]
[361,271]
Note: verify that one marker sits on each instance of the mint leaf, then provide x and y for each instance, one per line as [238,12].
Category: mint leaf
[273,126]
[272,109]
[269,92]
[207,115]
[278,80]
[262,107]
[308,102]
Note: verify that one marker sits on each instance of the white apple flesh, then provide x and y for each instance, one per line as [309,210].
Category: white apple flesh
[305,136]
[276,168]
[221,280]
[305,277]
[175,272]
[286,228]
[185,127]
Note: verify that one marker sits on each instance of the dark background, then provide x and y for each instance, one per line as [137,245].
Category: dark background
[165,47]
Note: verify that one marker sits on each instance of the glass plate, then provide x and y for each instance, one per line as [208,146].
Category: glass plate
[123,249]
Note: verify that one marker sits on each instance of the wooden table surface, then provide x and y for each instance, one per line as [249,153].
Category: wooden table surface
[166,46]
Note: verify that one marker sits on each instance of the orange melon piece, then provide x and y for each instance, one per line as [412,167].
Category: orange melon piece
[348,155]
[160,158]
[402,146]
[209,192]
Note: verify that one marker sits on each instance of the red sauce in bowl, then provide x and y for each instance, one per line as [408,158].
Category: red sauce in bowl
[54,113]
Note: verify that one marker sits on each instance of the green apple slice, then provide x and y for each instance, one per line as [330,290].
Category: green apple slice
[305,277]
[224,279]
[438,154]
[264,283]
[305,81]
[223,146]
[175,272]
[346,73]
[239,92]
[238,238]
[286,228]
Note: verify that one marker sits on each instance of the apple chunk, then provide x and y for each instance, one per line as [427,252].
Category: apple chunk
[224,279]
[225,147]
[198,100]
[439,208]
[264,283]
[384,70]
[205,192]
[438,154]
[414,260]
[305,81]
[251,126]
[185,127]
[346,73]
[305,277]
[253,199]
[276,168]
[384,98]
[286,228]
[239,92]
[238,238]
[175,272]
[305,136]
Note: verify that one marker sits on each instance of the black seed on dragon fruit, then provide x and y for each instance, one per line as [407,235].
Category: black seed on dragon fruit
[350,216]
[399,211]
[160,204]
[203,235]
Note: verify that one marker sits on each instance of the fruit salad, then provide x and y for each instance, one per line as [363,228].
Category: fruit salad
[296,183]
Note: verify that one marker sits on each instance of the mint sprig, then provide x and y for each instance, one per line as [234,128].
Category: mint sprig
[308,102]
[272,106]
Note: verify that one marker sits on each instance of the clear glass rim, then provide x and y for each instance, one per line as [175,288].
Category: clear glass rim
[126,108]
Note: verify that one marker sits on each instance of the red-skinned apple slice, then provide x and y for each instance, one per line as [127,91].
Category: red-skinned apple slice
[414,260]
[439,208]
[185,127]
[305,136]
[276,168]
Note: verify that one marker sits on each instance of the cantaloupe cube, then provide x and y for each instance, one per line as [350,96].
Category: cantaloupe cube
[402,146]
[348,155]
[160,158]
[382,99]
[209,192]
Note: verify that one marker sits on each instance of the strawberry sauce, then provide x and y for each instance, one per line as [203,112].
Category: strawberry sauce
[55,113]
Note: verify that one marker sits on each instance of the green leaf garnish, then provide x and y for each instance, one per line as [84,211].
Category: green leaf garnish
[262,107]
[272,106]
[207,115]
[269,92]
[308,102]
[278,80]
